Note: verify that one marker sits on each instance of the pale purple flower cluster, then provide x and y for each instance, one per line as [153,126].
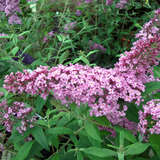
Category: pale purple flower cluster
[11,7]
[2,5]
[84,1]
[139,60]
[79,3]
[121,4]
[142,56]
[88,1]
[109,2]
[150,28]
[78,12]
[2,148]
[96,46]
[149,118]
[1,94]
[98,87]
[14,19]
[69,26]
[49,35]
[17,111]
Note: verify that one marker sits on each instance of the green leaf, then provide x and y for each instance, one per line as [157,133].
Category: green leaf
[64,120]
[4,91]
[14,50]
[54,157]
[154,139]
[156,95]
[59,131]
[156,72]
[23,33]
[132,112]
[35,151]
[138,25]
[15,138]
[4,67]
[94,142]
[39,136]
[85,60]
[76,60]
[54,140]
[92,131]
[57,104]
[67,156]
[49,112]
[56,117]
[79,156]
[121,138]
[151,86]
[74,139]
[38,62]
[139,159]
[99,152]
[68,41]
[92,52]
[26,48]
[120,156]
[66,48]
[24,151]
[60,37]
[136,148]
[39,103]
[158,56]
[83,140]
[127,134]
[63,57]
[103,121]
[42,123]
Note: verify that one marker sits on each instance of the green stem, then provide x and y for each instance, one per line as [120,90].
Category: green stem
[120,156]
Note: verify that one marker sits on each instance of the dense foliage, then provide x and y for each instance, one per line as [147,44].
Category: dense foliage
[79,80]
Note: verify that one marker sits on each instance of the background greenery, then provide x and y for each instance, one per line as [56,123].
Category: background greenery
[62,133]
